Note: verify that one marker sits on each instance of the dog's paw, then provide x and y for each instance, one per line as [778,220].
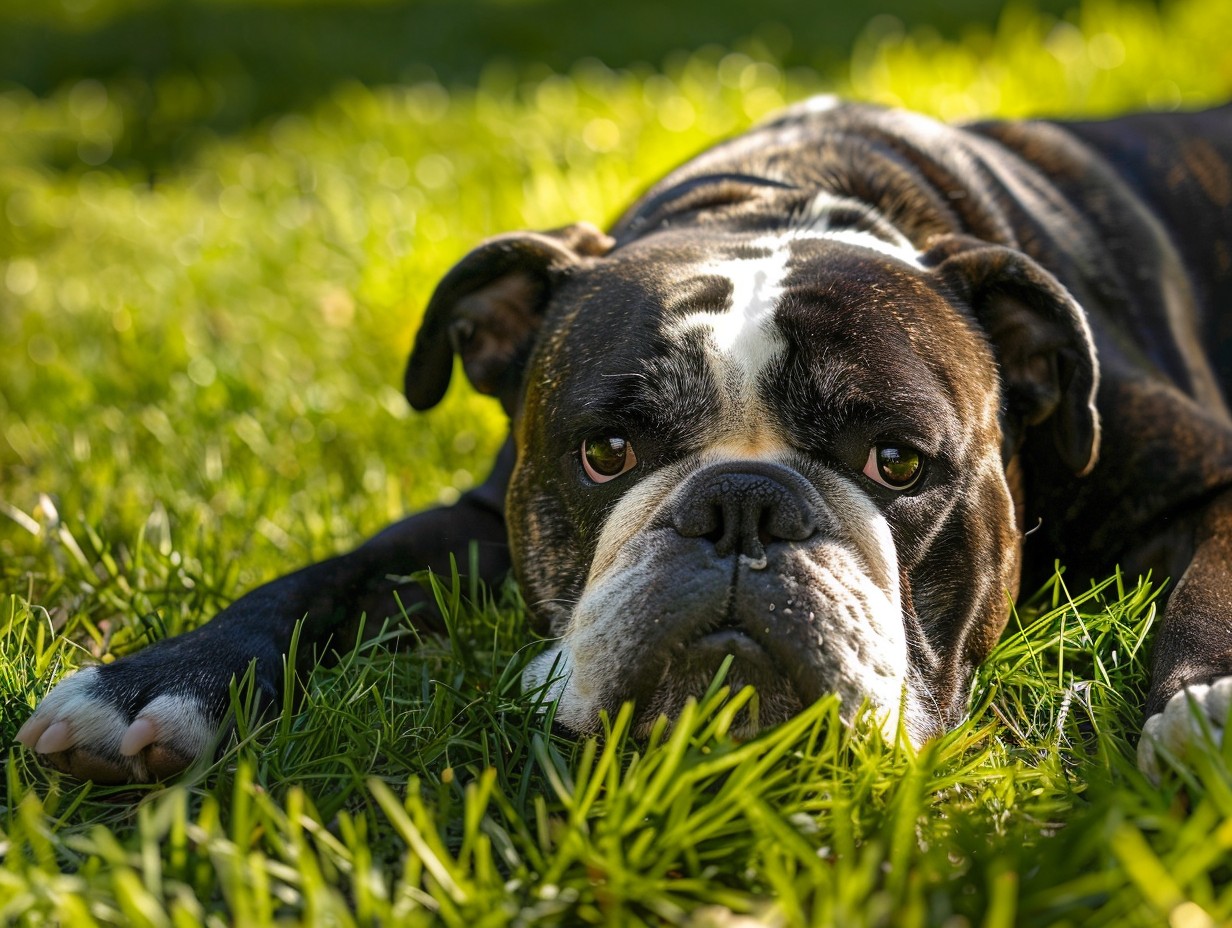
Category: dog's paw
[150,715]
[84,728]
[1192,720]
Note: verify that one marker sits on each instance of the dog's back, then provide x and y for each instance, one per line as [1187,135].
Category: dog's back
[1180,166]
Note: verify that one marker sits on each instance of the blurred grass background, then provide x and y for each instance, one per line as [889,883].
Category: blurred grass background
[219,223]
[221,65]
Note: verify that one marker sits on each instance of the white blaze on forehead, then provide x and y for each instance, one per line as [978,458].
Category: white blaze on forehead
[757,284]
[742,336]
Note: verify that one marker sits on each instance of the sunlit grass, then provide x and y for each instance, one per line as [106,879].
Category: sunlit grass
[432,788]
[199,390]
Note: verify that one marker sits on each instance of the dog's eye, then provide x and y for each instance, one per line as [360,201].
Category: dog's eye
[606,457]
[895,466]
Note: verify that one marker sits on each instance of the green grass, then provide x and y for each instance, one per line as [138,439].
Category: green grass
[220,65]
[199,390]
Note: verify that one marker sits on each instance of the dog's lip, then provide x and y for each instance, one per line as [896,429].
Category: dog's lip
[735,641]
[771,651]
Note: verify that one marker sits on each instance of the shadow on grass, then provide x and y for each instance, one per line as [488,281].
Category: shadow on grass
[231,64]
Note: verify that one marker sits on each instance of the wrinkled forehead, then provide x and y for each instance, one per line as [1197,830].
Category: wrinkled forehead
[721,326]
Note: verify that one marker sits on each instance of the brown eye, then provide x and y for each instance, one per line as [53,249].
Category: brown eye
[607,457]
[895,466]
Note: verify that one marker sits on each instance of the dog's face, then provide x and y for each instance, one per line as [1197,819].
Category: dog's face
[785,445]
[750,445]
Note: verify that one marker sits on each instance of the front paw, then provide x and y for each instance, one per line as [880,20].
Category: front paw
[82,729]
[1192,720]
[144,717]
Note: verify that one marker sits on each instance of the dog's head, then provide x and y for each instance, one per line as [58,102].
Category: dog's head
[783,439]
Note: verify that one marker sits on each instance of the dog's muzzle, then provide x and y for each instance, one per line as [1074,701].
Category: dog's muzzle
[795,578]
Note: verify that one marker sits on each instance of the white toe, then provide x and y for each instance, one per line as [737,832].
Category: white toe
[1148,762]
[30,733]
[71,715]
[1193,719]
[179,722]
[138,736]
[1219,700]
[58,737]
[1184,719]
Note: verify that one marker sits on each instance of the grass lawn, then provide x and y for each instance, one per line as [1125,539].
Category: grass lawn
[200,359]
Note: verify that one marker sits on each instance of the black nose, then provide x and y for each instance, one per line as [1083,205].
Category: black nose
[743,510]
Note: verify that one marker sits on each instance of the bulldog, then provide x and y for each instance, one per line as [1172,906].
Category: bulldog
[802,405]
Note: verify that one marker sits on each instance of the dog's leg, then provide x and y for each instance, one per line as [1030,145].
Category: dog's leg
[150,715]
[1191,677]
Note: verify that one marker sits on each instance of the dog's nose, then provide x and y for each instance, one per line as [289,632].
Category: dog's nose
[742,511]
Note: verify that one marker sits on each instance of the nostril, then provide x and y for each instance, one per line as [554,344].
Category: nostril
[786,522]
[744,513]
[704,520]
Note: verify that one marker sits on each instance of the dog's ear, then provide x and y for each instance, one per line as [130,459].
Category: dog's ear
[488,309]
[1040,337]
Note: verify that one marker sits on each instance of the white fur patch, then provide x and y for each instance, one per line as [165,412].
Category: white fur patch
[550,669]
[73,703]
[867,636]
[742,338]
[819,103]
[1193,720]
[592,654]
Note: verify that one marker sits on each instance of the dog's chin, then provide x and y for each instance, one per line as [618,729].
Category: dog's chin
[689,672]
[690,675]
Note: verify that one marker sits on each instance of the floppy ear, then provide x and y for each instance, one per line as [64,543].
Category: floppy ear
[488,309]
[1042,343]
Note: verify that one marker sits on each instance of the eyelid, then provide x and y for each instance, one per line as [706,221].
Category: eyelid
[907,437]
